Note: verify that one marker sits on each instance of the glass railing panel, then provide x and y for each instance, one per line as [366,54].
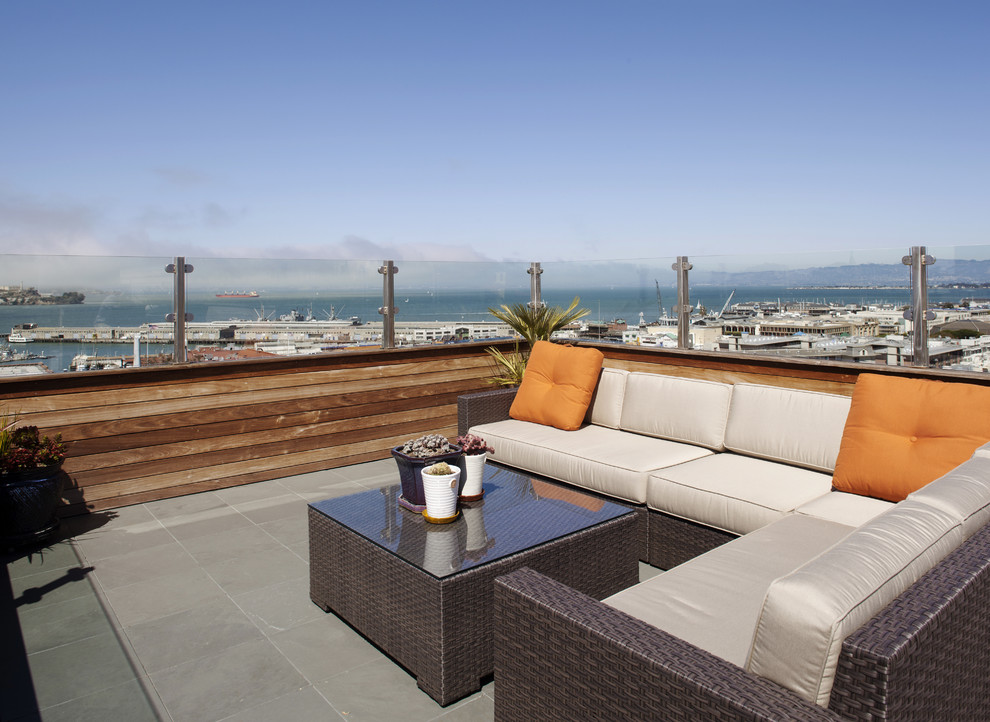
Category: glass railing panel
[244,308]
[620,296]
[443,302]
[69,312]
[844,306]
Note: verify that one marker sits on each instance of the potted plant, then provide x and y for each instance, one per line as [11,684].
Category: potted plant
[440,488]
[30,481]
[475,453]
[533,324]
[411,457]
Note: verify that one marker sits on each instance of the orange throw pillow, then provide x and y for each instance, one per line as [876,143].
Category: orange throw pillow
[904,433]
[557,385]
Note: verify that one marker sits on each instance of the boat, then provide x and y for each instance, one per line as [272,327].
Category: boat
[238,294]
[18,338]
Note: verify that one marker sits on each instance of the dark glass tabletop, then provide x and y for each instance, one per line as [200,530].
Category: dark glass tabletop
[517,513]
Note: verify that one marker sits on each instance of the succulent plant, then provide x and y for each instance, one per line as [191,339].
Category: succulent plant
[426,446]
[441,468]
[473,445]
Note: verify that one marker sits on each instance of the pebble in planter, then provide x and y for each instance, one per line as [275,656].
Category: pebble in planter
[411,457]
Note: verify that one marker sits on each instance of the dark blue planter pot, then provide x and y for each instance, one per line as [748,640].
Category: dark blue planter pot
[413,497]
[28,500]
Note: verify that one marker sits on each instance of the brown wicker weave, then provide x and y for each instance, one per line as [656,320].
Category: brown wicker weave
[674,541]
[484,407]
[441,629]
[562,655]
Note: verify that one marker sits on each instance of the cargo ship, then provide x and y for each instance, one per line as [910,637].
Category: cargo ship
[238,294]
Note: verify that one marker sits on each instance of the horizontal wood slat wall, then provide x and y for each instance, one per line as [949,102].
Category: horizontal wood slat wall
[142,434]
[138,435]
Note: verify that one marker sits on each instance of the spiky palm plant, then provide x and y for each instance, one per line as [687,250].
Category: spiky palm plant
[533,324]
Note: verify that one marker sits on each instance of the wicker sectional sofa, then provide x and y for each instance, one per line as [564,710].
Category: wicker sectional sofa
[783,599]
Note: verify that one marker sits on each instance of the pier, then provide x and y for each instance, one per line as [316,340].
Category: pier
[248,333]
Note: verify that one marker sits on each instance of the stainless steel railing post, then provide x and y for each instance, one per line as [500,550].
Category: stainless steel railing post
[683,302]
[388,308]
[919,314]
[179,316]
[535,289]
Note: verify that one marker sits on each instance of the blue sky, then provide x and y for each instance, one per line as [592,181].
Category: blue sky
[504,131]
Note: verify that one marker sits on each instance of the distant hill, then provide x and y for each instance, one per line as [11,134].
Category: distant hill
[945,271]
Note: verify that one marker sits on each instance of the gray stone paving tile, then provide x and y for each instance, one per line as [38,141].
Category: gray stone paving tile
[325,647]
[128,701]
[203,631]
[144,601]
[114,539]
[79,669]
[216,687]
[50,626]
[279,607]
[184,505]
[206,522]
[314,487]
[286,506]
[236,544]
[648,572]
[379,690]
[256,570]
[50,587]
[251,492]
[142,565]
[43,559]
[289,530]
[476,708]
[305,704]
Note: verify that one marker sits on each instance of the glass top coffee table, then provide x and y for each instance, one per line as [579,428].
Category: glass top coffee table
[424,592]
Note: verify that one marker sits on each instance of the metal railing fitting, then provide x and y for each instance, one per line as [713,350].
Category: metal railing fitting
[919,314]
[683,308]
[179,316]
[388,309]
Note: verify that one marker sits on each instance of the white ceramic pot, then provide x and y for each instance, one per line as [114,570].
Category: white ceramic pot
[441,493]
[477,537]
[474,474]
[440,553]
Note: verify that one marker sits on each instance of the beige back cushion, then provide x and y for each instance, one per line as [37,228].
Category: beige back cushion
[676,408]
[808,613]
[606,403]
[797,427]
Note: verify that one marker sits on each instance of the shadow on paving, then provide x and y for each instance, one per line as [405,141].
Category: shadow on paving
[43,682]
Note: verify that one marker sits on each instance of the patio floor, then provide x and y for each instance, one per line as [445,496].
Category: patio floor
[197,608]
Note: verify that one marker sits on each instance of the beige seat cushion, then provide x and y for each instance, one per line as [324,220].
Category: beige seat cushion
[808,613]
[677,409]
[608,461]
[714,600]
[738,494]
[851,509]
[787,425]
[964,493]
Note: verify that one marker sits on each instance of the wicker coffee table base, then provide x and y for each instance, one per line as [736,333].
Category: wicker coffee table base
[442,629]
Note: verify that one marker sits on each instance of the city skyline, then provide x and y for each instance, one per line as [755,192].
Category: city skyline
[470,132]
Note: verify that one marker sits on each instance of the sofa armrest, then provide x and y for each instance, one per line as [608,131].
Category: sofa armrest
[926,655]
[560,654]
[484,407]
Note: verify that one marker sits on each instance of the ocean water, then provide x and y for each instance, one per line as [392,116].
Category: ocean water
[604,304]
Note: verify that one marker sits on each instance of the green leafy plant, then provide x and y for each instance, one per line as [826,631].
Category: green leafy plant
[538,324]
[533,324]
